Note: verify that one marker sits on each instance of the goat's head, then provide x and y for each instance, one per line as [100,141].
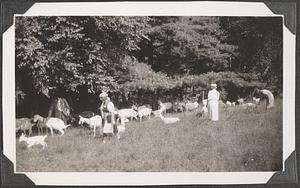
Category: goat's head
[22,137]
[37,118]
[81,120]
[134,107]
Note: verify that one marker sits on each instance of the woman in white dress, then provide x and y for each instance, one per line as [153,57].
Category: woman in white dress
[107,109]
[213,103]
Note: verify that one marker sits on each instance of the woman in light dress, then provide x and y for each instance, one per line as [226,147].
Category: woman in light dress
[213,103]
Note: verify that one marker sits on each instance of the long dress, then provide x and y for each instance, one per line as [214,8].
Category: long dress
[213,104]
[270,98]
[107,113]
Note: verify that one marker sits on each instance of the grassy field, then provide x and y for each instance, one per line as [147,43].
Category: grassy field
[241,141]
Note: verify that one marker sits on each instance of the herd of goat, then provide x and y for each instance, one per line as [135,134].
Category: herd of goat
[25,125]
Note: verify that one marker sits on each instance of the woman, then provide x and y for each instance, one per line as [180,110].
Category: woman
[265,94]
[107,109]
[213,103]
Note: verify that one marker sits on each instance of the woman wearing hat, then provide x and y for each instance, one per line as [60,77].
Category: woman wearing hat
[107,109]
[213,103]
[265,94]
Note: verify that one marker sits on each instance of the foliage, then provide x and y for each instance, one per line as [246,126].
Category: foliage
[187,45]
[79,57]
[260,43]
[63,53]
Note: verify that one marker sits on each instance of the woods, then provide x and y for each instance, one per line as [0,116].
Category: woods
[138,58]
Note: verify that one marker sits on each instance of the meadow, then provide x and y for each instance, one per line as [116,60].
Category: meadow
[242,140]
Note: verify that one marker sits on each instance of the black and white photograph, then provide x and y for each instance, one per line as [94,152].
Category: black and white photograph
[148,93]
[125,93]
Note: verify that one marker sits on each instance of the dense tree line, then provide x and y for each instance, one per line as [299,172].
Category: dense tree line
[78,57]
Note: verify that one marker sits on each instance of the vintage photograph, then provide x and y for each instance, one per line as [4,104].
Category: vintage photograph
[148,93]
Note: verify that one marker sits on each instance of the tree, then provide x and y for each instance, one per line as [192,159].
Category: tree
[192,45]
[64,54]
[260,44]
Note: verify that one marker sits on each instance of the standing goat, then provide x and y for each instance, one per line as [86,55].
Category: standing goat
[93,122]
[144,112]
[52,123]
[23,125]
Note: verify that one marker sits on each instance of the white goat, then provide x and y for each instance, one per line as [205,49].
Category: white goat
[169,120]
[35,140]
[167,105]
[189,106]
[93,122]
[156,113]
[229,104]
[256,100]
[240,101]
[144,112]
[121,128]
[52,123]
[24,124]
[204,108]
[162,108]
[127,113]
[249,105]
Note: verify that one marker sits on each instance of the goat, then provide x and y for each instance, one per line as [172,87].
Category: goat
[127,113]
[121,128]
[204,108]
[23,125]
[229,104]
[93,122]
[179,106]
[144,112]
[249,105]
[240,101]
[156,113]
[191,106]
[39,120]
[256,100]
[35,140]
[162,108]
[52,123]
[169,120]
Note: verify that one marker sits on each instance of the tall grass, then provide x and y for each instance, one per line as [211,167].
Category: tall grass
[242,140]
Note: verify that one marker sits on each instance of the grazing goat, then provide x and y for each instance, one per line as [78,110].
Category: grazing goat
[169,120]
[249,105]
[256,100]
[179,107]
[93,122]
[40,123]
[52,123]
[156,113]
[229,104]
[168,106]
[144,112]
[204,108]
[240,101]
[126,113]
[162,107]
[23,125]
[35,140]
[189,106]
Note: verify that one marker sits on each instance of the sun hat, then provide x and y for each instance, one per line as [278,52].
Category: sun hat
[103,95]
[213,85]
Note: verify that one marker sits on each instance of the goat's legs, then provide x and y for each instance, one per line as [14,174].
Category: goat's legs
[94,131]
[44,144]
[51,131]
